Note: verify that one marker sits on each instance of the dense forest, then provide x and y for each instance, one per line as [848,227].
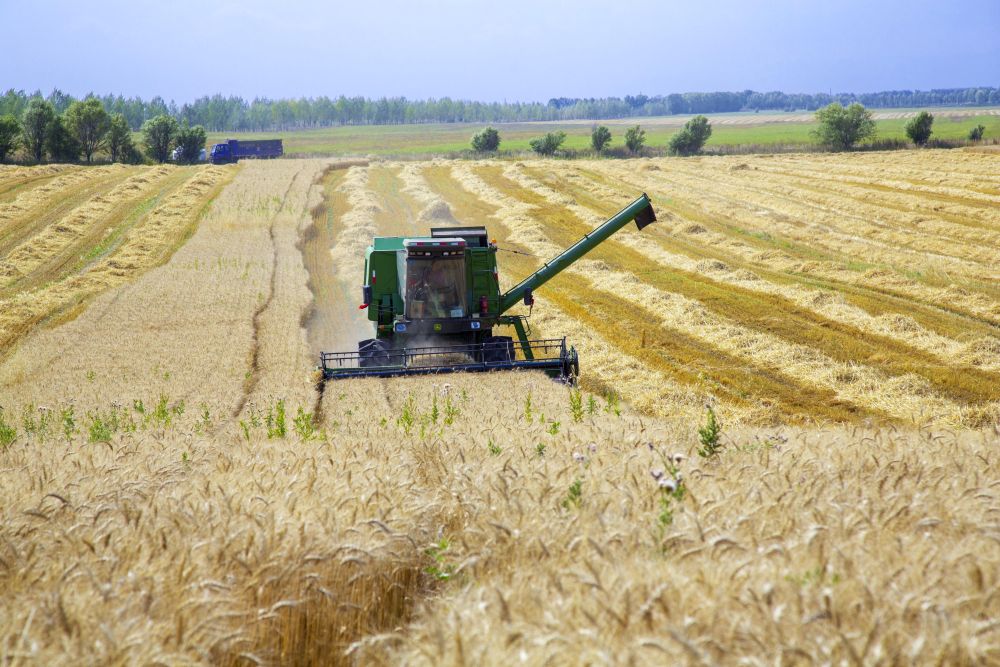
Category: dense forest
[219,113]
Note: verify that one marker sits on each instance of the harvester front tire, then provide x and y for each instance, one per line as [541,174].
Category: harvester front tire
[498,349]
[372,352]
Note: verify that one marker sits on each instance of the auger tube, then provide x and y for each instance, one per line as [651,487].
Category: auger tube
[641,210]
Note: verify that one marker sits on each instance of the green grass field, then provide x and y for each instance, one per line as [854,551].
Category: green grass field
[728,130]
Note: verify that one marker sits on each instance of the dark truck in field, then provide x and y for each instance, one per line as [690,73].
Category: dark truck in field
[234,150]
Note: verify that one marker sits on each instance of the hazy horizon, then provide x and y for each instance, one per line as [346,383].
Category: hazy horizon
[477,51]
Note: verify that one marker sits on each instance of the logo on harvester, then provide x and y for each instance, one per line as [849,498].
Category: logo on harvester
[475,325]
[400,326]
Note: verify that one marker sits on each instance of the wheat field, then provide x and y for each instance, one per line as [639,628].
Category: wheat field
[175,488]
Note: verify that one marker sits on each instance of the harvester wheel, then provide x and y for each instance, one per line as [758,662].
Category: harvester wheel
[372,352]
[498,349]
[571,367]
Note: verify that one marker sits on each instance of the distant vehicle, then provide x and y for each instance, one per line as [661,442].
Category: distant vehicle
[234,150]
[175,154]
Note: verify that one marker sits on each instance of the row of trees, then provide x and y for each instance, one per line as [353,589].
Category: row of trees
[688,141]
[85,128]
[232,113]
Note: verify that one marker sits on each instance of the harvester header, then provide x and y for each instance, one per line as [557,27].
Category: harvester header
[435,301]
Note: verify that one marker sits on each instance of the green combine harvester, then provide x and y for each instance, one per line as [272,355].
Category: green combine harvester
[435,302]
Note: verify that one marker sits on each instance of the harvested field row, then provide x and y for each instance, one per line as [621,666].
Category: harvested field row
[79,230]
[848,215]
[773,247]
[14,180]
[829,303]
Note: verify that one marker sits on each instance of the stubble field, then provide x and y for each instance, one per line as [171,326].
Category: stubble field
[174,489]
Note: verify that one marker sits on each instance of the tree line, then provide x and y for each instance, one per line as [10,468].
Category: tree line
[86,128]
[219,113]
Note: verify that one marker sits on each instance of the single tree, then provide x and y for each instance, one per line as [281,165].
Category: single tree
[10,136]
[976,133]
[919,128]
[841,128]
[89,123]
[635,137]
[119,138]
[35,123]
[60,143]
[600,137]
[191,141]
[158,134]
[691,138]
[548,144]
[486,141]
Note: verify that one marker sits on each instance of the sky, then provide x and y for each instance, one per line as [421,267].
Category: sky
[501,50]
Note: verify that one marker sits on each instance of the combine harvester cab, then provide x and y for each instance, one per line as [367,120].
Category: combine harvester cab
[435,301]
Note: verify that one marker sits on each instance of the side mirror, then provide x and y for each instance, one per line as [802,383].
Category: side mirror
[366,294]
[529,299]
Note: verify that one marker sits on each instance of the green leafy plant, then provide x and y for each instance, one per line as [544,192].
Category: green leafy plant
[553,427]
[576,405]
[709,435]
[450,412]
[68,419]
[493,448]
[305,424]
[161,412]
[540,449]
[611,404]
[407,418]
[100,429]
[574,497]
[8,432]
[439,568]
[527,408]
[275,420]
